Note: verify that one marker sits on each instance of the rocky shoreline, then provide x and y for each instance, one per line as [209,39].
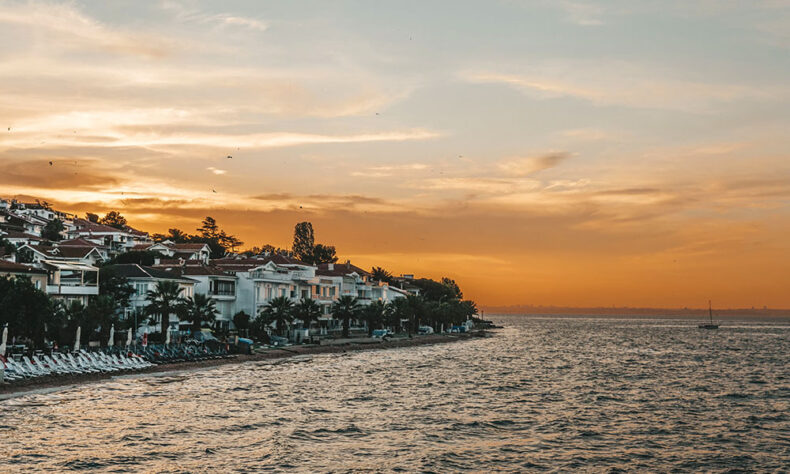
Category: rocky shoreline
[56,381]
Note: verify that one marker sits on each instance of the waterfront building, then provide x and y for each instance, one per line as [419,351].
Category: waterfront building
[37,275]
[144,279]
[70,281]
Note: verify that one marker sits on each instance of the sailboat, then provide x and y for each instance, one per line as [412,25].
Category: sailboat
[709,325]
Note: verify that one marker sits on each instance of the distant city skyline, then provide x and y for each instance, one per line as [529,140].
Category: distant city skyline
[567,153]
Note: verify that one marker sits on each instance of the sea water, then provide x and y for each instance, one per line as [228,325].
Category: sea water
[542,394]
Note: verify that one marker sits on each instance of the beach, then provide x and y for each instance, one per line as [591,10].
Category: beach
[362,344]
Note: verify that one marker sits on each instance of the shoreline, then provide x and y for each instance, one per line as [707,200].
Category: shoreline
[63,381]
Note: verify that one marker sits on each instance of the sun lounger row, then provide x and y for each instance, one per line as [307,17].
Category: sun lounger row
[161,354]
[81,362]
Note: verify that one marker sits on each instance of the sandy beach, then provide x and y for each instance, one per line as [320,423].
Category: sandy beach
[55,381]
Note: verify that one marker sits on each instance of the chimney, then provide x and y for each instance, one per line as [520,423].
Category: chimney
[348,263]
[330,266]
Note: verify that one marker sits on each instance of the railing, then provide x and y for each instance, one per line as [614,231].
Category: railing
[72,290]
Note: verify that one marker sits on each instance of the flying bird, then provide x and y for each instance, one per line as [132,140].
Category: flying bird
[213,190]
[229,157]
[50,163]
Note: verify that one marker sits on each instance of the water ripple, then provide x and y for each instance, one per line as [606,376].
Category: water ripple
[543,395]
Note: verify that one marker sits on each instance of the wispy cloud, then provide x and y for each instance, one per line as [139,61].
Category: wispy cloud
[529,165]
[70,27]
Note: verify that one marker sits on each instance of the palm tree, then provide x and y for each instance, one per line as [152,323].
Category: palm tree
[279,311]
[164,300]
[374,315]
[201,309]
[345,308]
[379,274]
[307,310]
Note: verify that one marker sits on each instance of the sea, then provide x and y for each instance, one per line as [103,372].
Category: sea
[543,394]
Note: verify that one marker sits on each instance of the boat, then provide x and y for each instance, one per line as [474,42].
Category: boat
[709,325]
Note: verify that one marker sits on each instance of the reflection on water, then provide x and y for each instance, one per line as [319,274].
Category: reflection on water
[544,394]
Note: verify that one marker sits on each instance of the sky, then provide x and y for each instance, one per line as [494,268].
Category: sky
[574,153]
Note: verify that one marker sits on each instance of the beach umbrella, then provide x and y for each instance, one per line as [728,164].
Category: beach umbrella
[167,337]
[5,339]
[112,336]
[77,340]
[129,338]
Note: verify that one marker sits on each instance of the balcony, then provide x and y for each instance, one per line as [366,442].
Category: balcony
[72,290]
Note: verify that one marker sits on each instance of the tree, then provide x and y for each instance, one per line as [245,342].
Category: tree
[27,310]
[24,256]
[453,287]
[209,229]
[304,241]
[116,287]
[140,257]
[113,219]
[165,300]
[345,308]
[307,310]
[279,311]
[174,235]
[97,318]
[200,309]
[92,217]
[323,254]
[374,315]
[241,320]
[379,274]
[52,230]
[7,247]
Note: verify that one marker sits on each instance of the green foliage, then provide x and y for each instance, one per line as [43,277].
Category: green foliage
[116,287]
[323,254]
[7,247]
[305,248]
[435,291]
[304,241]
[374,315]
[307,310]
[165,300]
[140,257]
[24,256]
[380,274]
[114,219]
[26,310]
[241,320]
[199,310]
[278,312]
[346,308]
[52,230]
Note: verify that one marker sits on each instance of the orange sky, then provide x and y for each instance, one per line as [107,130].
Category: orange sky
[555,153]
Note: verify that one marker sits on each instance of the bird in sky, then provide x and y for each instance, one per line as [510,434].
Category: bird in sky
[213,190]
[229,157]
[50,163]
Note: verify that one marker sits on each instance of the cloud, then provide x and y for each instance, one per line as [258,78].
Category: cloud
[222,20]
[389,170]
[40,174]
[69,27]
[533,164]
[216,171]
[623,83]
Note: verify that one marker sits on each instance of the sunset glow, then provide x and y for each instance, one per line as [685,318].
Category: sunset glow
[545,153]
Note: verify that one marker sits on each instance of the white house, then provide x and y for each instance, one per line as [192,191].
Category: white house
[144,279]
[71,281]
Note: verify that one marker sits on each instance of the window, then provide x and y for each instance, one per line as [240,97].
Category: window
[140,289]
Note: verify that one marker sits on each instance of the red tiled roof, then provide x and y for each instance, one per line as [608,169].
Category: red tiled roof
[187,246]
[78,242]
[84,225]
[15,234]
[340,269]
[11,267]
